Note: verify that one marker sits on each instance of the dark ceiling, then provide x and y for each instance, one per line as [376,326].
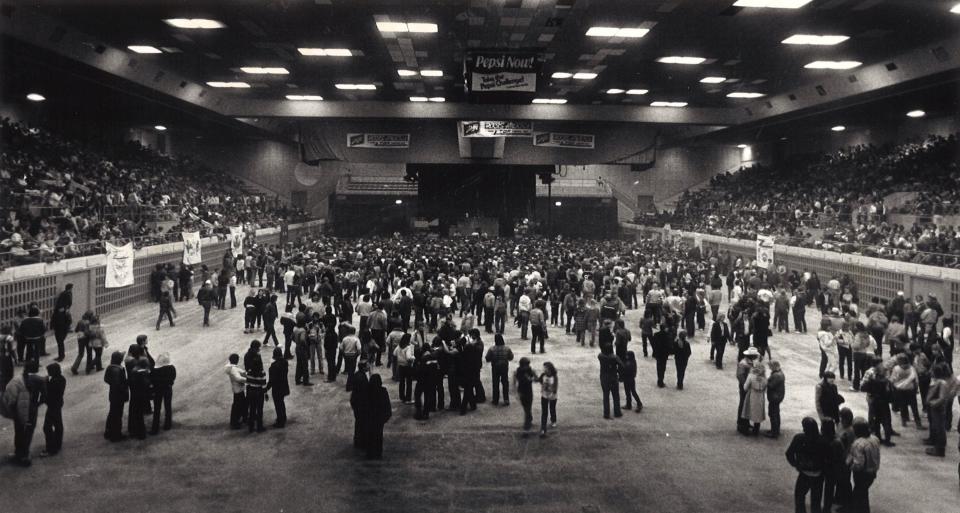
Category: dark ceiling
[739,43]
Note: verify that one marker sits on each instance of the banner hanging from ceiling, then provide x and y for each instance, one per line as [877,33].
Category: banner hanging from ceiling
[502,71]
[119,265]
[555,140]
[764,251]
[496,128]
[378,141]
[191,248]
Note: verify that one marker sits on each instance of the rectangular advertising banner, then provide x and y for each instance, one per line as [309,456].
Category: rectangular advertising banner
[378,141]
[496,128]
[764,251]
[555,140]
[119,265]
[502,72]
[236,239]
[191,247]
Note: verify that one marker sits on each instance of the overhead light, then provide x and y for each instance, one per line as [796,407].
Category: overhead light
[833,65]
[160,128]
[418,98]
[615,91]
[555,101]
[773,4]
[713,80]
[236,85]
[358,87]
[637,91]
[681,60]
[559,203]
[34,97]
[917,113]
[617,32]
[955,9]
[257,70]
[431,73]
[399,202]
[194,23]
[745,95]
[584,76]
[389,26]
[810,39]
[438,99]
[406,72]
[669,104]
[839,128]
[561,74]
[304,97]
[742,146]
[143,49]
[326,52]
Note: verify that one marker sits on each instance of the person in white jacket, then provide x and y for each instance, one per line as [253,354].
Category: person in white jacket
[828,347]
[238,410]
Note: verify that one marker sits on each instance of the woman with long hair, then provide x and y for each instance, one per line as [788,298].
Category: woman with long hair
[549,383]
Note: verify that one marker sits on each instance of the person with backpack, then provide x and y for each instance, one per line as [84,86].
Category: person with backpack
[808,454]
[20,402]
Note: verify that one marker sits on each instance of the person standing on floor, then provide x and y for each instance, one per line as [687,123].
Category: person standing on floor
[808,454]
[359,397]
[833,470]
[250,311]
[238,409]
[256,380]
[681,356]
[162,377]
[377,411]
[270,315]
[743,372]
[205,298]
[83,343]
[279,382]
[139,378]
[21,402]
[827,399]
[719,337]
[776,391]
[60,322]
[302,350]
[116,377]
[500,357]
[610,369]
[524,378]
[549,384]
[350,348]
[662,347]
[166,309]
[54,388]
[753,403]
[863,459]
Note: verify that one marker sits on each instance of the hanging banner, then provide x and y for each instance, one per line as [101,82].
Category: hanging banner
[555,140]
[764,251]
[119,265]
[502,71]
[191,247]
[496,128]
[378,141]
[236,239]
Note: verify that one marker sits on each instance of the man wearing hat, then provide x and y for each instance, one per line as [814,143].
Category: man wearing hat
[743,371]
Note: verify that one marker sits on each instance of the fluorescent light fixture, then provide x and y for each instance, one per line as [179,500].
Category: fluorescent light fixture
[304,97]
[34,97]
[235,85]
[681,60]
[955,9]
[356,87]
[584,76]
[326,52]
[418,98]
[617,32]
[431,73]
[713,80]
[839,128]
[257,70]
[561,74]
[637,91]
[559,203]
[615,91]
[810,39]
[917,113]
[399,202]
[833,65]
[438,99]
[194,23]
[159,128]
[742,146]
[772,4]
[390,26]
[745,95]
[676,105]
[406,72]
[555,101]
[143,49]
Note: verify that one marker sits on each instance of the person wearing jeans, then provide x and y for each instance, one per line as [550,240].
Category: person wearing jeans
[808,454]
[548,397]
[525,378]
[610,366]
[500,357]
[863,459]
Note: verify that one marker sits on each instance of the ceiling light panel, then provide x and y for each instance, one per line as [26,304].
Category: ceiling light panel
[810,39]
[637,91]
[554,101]
[34,97]
[681,60]
[406,72]
[772,4]
[615,91]
[713,80]
[745,95]
[561,74]
[304,97]
[627,33]
[326,52]
[233,85]
[257,70]
[675,105]
[391,26]
[194,23]
[143,49]
[584,76]
[955,9]
[602,31]
[839,128]
[916,114]
[833,65]
[356,87]
[431,73]
[418,98]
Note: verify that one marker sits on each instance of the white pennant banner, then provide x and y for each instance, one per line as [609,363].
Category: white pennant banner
[191,247]
[119,265]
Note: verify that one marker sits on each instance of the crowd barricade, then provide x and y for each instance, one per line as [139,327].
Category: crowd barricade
[41,282]
[873,276]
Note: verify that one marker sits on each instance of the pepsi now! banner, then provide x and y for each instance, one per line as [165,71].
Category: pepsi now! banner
[499,71]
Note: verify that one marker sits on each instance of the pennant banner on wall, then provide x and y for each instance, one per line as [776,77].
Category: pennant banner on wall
[764,251]
[378,141]
[496,128]
[119,265]
[191,247]
[555,140]
[236,239]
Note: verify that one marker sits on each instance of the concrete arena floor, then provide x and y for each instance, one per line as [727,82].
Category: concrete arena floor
[680,454]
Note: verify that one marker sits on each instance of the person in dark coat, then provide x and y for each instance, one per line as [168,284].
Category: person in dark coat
[776,390]
[205,298]
[662,346]
[270,315]
[116,376]
[719,337]
[828,400]
[610,368]
[629,377]
[279,372]
[761,330]
[33,333]
[808,454]
[53,420]
[377,412]
[681,356]
[358,402]
[162,377]
[166,309]
[61,321]
[139,399]
[256,381]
